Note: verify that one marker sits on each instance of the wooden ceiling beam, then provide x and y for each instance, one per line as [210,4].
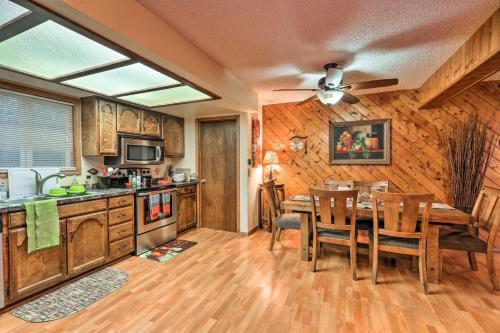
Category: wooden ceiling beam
[475,60]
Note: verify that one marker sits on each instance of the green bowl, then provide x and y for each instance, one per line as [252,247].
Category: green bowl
[76,189]
[57,192]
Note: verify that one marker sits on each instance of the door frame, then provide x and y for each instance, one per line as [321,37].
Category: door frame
[199,121]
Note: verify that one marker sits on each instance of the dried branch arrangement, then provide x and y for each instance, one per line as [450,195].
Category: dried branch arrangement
[467,147]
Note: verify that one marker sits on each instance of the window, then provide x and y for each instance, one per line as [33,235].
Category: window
[35,132]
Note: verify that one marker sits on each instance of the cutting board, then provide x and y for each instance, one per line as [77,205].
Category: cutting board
[22,181]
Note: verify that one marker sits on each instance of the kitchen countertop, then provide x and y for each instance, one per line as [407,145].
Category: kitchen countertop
[93,194]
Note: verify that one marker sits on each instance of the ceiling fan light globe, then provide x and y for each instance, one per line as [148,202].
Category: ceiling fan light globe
[330,97]
[334,77]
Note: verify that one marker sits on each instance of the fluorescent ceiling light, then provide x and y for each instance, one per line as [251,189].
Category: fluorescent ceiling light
[124,79]
[50,50]
[167,96]
[9,11]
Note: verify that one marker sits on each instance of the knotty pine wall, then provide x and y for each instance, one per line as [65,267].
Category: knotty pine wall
[416,162]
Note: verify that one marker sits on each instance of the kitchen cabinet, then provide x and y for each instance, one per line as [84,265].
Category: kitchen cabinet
[99,135]
[32,272]
[173,132]
[129,120]
[151,123]
[186,208]
[87,238]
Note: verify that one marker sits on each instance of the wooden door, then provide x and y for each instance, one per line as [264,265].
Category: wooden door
[87,242]
[186,211]
[151,123]
[108,138]
[128,120]
[32,272]
[218,170]
[173,132]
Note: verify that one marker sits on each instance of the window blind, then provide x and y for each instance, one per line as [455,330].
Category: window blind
[35,132]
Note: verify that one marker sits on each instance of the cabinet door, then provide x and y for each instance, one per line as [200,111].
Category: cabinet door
[173,132]
[108,137]
[32,272]
[87,242]
[151,123]
[128,120]
[186,211]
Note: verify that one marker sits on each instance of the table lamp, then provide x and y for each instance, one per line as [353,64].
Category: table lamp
[270,158]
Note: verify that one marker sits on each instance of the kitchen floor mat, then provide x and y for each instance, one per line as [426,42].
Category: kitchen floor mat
[168,251]
[72,297]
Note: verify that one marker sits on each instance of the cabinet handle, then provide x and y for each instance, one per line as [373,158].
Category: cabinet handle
[122,246]
[121,215]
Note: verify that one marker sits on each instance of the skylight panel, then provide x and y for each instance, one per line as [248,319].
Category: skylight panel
[9,11]
[124,79]
[167,96]
[50,50]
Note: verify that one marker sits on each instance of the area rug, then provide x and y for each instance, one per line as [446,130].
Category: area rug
[72,297]
[168,251]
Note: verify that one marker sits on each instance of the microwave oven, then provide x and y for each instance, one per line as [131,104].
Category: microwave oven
[134,151]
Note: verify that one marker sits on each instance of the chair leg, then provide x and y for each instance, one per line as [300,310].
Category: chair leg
[375,263]
[273,237]
[423,272]
[414,264]
[280,230]
[370,251]
[472,261]
[354,256]
[315,250]
[490,263]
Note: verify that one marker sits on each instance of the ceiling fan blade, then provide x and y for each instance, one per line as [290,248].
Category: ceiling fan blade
[313,97]
[350,99]
[305,89]
[333,76]
[372,84]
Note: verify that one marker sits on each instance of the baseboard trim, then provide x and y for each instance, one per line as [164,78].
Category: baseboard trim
[254,229]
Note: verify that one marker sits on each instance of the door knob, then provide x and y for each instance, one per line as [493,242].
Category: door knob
[203,181]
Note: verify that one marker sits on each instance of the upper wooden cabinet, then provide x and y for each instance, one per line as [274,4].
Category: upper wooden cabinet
[173,132]
[129,120]
[32,272]
[151,123]
[99,135]
[87,242]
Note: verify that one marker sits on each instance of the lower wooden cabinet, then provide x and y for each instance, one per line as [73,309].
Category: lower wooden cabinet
[32,272]
[87,242]
[186,211]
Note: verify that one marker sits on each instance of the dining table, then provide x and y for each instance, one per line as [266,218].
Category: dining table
[441,214]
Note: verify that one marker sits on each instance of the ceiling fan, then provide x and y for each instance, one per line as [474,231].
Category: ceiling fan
[331,89]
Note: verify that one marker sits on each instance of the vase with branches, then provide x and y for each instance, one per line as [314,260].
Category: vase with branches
[467,149]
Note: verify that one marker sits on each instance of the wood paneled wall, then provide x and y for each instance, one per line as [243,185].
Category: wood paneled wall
[416,161]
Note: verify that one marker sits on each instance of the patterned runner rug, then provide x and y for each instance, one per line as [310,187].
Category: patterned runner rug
[168,251]
[72,297]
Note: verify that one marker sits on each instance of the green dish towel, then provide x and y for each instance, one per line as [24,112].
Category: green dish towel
[42,221]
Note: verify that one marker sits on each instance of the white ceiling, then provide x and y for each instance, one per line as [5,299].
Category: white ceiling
[272,44]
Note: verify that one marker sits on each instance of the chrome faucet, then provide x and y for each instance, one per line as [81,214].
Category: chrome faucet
[41,181]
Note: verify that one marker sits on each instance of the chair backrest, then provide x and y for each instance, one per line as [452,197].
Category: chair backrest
[486,212]
[332,184]
[401,220]
[324,198]
[371,187]
[274,203]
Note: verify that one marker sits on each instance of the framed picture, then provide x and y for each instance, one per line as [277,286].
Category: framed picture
[360,142]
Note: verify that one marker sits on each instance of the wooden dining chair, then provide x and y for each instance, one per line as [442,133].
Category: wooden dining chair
[370,187]
[333,184]
[485,224]
[400,233]
[279,220]
[337,231]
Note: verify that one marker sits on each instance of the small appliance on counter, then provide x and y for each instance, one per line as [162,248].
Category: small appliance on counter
[181,175]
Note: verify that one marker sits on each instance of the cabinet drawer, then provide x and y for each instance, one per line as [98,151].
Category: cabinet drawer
[120,215]
[121,248]
[120,231]
[19,219]
[186,189]
[126,200]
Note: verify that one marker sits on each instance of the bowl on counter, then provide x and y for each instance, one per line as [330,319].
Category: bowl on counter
[179,177]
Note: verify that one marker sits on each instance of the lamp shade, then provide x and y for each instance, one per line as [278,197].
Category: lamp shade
[330,97]
[270,158]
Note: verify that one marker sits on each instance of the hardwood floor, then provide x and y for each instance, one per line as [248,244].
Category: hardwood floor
[232,283]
